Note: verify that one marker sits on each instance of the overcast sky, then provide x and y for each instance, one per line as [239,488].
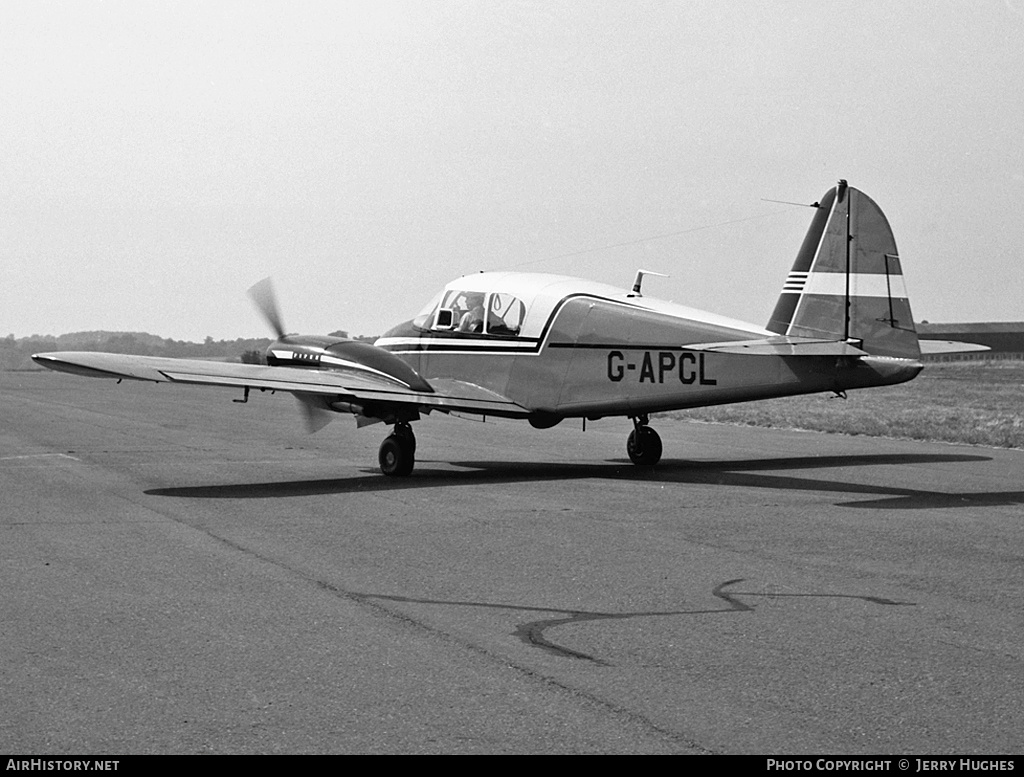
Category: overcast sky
[158,158]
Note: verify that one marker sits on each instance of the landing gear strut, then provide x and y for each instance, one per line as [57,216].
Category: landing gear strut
[398,451]
[644,444]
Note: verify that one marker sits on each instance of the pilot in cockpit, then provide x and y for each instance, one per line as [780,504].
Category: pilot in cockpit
[473,319]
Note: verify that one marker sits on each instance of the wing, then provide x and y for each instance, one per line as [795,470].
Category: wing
[362,389]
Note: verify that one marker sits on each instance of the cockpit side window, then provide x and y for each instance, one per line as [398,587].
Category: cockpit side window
[504,314]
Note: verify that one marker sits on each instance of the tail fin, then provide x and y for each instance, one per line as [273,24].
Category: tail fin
[847,282]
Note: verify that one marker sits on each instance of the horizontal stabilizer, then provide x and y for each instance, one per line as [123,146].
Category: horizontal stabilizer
[781,346]
[949,346]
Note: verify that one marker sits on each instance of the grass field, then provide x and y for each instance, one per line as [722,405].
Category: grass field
[979,403]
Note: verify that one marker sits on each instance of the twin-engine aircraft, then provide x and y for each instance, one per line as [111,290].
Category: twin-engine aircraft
[546,347]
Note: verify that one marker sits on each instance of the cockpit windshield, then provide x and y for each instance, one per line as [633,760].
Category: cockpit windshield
[425,318]
[473,312]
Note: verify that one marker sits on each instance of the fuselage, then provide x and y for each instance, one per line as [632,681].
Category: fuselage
[564,347]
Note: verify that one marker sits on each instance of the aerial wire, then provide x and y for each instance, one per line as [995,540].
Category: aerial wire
[662,236]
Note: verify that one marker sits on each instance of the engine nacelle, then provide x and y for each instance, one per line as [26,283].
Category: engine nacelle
[335,353]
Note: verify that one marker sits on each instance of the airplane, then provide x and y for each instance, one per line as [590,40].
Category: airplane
[545,348]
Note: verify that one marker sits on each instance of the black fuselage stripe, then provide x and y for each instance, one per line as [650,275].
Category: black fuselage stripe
[564,346]
[619,346]
[435,341]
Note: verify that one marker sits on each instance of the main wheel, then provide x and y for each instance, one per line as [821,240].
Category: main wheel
[404,430]
[644,446]
[397,455]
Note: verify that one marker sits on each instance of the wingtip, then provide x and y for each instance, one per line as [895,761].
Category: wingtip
[71,363]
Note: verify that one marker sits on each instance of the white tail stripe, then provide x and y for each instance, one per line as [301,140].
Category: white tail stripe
[834,283]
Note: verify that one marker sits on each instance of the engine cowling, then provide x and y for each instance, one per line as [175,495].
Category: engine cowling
[326,353]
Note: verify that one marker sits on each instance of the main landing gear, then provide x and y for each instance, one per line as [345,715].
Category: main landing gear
[644,444]
[398,451]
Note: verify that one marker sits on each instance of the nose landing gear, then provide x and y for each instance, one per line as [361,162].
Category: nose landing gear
[398,451]
[644,444]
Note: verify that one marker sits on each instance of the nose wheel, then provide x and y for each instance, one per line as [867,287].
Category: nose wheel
[643,444]
[398,451]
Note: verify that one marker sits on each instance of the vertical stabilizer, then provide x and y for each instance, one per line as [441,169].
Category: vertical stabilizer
[847,281]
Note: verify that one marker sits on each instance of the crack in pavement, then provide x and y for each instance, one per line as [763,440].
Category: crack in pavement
[533,632]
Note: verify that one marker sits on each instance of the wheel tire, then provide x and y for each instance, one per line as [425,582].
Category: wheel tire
[405,432]
[644,446]
[396,456]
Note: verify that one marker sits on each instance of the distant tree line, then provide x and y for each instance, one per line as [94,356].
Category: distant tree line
[16,353]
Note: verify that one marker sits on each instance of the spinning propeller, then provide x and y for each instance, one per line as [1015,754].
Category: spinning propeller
[315,415]
[262,294]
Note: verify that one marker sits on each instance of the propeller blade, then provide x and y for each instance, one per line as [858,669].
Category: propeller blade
[314,413]
[262,293]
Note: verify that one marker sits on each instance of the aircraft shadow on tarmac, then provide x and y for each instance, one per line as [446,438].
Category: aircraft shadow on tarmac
[533,632]
[740,473]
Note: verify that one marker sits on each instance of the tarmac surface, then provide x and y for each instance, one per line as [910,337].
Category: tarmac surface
[182,574]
